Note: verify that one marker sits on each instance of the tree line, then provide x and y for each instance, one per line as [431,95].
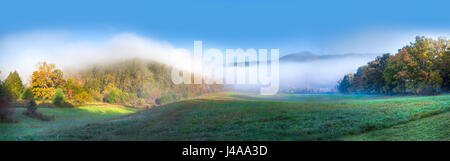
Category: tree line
[132,82]
[418,68]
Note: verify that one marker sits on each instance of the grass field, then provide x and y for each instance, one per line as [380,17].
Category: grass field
[230,116]
[435,127]
[65,118]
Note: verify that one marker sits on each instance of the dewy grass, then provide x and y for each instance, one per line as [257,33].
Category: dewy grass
[427,129]
[229,116]
[29,128]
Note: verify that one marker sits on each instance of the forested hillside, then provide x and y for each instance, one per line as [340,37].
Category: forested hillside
[133,82]
[418,68]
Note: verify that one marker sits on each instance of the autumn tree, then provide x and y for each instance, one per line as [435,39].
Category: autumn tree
[44,81]
[368,78]
[58,78]
[375,78]
[427,53]
[400,72]
[418,68]
[443,61]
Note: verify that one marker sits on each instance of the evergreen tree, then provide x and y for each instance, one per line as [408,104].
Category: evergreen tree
[14,85]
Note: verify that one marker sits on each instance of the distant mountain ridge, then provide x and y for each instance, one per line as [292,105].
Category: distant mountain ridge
[308,56]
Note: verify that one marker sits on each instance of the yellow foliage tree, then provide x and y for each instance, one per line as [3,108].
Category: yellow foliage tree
[43,81]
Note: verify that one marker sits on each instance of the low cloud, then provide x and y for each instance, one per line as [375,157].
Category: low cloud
[21,52]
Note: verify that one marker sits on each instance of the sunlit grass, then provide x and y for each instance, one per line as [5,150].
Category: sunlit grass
[30,129]
[107,111]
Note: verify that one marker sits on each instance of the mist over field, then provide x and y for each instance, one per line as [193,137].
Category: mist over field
[320,73]
[71,53]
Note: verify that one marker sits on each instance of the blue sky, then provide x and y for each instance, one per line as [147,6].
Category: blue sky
[71,33]
[318,26]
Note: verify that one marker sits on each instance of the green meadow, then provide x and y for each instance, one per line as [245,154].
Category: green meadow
[65,118]
[231,116]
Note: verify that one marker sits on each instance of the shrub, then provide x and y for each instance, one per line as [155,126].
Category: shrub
[33,113]
[82,97]
[6,112]
[169,97]
[158,101]
[5,94]
[132,99]
[115,96]
[96,96]
[141,102]
[185,94]
[59,98]
[27,94]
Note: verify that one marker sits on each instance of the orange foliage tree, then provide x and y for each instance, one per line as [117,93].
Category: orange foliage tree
[44,81]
